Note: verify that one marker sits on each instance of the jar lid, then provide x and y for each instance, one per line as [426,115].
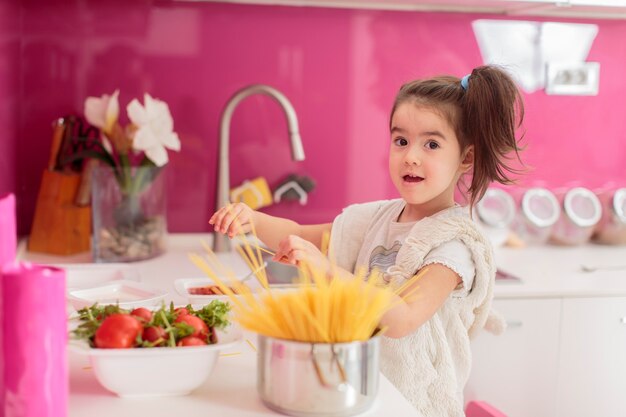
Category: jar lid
[582,207]
[496,208]
[619,204]
[540,207]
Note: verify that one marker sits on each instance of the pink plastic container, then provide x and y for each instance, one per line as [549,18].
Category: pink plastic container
[33,339]
[8,235]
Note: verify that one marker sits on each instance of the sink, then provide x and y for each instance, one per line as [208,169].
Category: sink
[506,278]
[278,273]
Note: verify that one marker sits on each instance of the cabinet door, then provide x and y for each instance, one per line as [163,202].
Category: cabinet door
[592,371]
[516,372]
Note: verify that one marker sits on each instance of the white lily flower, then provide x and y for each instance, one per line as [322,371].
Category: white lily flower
[103,112]
[155,129]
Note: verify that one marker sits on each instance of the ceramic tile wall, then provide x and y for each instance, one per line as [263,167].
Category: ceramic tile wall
[340,69]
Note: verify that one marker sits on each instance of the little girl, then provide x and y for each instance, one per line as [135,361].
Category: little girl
[442,130]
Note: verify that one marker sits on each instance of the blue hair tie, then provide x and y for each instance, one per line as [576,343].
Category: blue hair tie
[465,82]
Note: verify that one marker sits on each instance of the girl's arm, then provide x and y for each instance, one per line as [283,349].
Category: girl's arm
[434,288]
[237,218]
[272,230]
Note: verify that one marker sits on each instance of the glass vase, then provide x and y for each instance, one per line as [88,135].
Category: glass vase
[128,214]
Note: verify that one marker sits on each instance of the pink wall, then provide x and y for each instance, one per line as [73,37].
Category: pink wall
[9,82]
[340,69]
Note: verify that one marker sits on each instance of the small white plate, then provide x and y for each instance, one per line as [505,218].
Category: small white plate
[128,294]
[183,286]
[92,275]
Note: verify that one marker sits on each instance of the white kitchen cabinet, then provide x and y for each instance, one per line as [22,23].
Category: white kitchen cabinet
[592,364]
[516,372]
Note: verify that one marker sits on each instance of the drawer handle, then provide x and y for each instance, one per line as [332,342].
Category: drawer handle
[623,320]
[518,323]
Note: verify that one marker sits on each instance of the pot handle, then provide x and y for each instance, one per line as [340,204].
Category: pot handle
[320,374]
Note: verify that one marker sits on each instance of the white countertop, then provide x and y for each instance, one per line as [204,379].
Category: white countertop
[229,391]
[231,388]
[545,271]
[555,271]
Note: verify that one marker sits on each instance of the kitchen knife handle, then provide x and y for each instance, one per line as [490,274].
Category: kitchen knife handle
[58,129]
[83,194]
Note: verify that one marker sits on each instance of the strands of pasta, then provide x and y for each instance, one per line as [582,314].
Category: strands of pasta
[322,309]
[253,257]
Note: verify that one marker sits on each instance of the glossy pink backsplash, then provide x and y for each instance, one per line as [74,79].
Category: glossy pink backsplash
[340,69]
[9,83]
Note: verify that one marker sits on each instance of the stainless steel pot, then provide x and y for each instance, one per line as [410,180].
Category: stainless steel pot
[318,379]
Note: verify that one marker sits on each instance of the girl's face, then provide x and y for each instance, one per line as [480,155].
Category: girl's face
[425,160]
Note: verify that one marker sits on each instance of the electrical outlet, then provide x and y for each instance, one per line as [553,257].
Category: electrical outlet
[580,79]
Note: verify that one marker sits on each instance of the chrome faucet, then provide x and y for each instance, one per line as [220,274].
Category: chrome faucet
[221,243]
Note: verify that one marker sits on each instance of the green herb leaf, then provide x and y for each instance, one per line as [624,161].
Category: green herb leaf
[214,314]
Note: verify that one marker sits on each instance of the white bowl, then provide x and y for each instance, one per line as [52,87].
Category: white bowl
[127,294]
[152,372]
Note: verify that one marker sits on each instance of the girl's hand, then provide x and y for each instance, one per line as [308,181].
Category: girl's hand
[233,219]
[293,250]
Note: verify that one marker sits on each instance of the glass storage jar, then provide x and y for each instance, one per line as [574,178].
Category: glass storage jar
[537,213]
[581,212]
[611,229]
[496,211]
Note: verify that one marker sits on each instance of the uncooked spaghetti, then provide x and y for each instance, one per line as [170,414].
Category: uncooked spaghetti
[323,308]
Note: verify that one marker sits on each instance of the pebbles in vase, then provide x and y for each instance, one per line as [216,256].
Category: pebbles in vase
[140,241]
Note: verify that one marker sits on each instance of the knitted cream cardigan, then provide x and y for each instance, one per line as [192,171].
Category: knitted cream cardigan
[431,365]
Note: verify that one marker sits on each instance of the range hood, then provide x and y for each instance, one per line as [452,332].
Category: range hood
[602,9]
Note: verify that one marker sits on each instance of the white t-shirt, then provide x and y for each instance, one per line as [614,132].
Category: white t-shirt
[384,239]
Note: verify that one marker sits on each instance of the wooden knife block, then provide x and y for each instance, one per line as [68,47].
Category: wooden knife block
[60,227]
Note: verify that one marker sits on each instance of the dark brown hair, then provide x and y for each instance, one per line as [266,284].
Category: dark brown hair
[485,115]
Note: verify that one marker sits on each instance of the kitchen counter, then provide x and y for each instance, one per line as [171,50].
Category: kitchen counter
[556,271]
[544,271]
[231,388]
[229,391]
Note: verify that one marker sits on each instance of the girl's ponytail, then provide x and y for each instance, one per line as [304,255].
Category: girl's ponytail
[491,111]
